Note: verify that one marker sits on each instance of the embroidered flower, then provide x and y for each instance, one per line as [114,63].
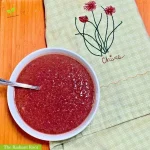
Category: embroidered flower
[110,10]
[83,19]
[90,6]
[96,41]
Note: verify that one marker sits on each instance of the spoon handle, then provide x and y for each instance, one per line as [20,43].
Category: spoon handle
[16,84]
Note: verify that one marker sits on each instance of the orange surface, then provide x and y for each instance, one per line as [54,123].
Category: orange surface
[22,32]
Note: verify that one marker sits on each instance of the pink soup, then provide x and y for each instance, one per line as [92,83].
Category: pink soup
[65,98]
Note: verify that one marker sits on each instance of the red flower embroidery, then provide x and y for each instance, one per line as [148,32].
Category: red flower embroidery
[110,10]
[83,19]
[90,6]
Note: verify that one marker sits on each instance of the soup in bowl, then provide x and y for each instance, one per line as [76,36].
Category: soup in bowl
[67,100]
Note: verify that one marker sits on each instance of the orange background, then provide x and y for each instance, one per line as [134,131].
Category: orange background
[22,32]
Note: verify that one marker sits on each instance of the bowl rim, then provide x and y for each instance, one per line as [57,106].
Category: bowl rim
[11,94]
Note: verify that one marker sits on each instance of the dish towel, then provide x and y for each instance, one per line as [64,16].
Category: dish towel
[111,36]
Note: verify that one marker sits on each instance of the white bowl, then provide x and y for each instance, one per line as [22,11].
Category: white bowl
[11,95]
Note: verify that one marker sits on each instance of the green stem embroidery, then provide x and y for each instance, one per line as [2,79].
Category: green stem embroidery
[85,40]
[96,30]
[96,26]
[102,44]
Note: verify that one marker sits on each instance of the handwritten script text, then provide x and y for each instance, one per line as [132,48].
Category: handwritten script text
[111,58]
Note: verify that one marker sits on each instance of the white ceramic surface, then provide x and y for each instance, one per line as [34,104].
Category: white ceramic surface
[11,95]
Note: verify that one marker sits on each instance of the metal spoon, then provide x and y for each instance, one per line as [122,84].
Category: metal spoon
[16,84]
